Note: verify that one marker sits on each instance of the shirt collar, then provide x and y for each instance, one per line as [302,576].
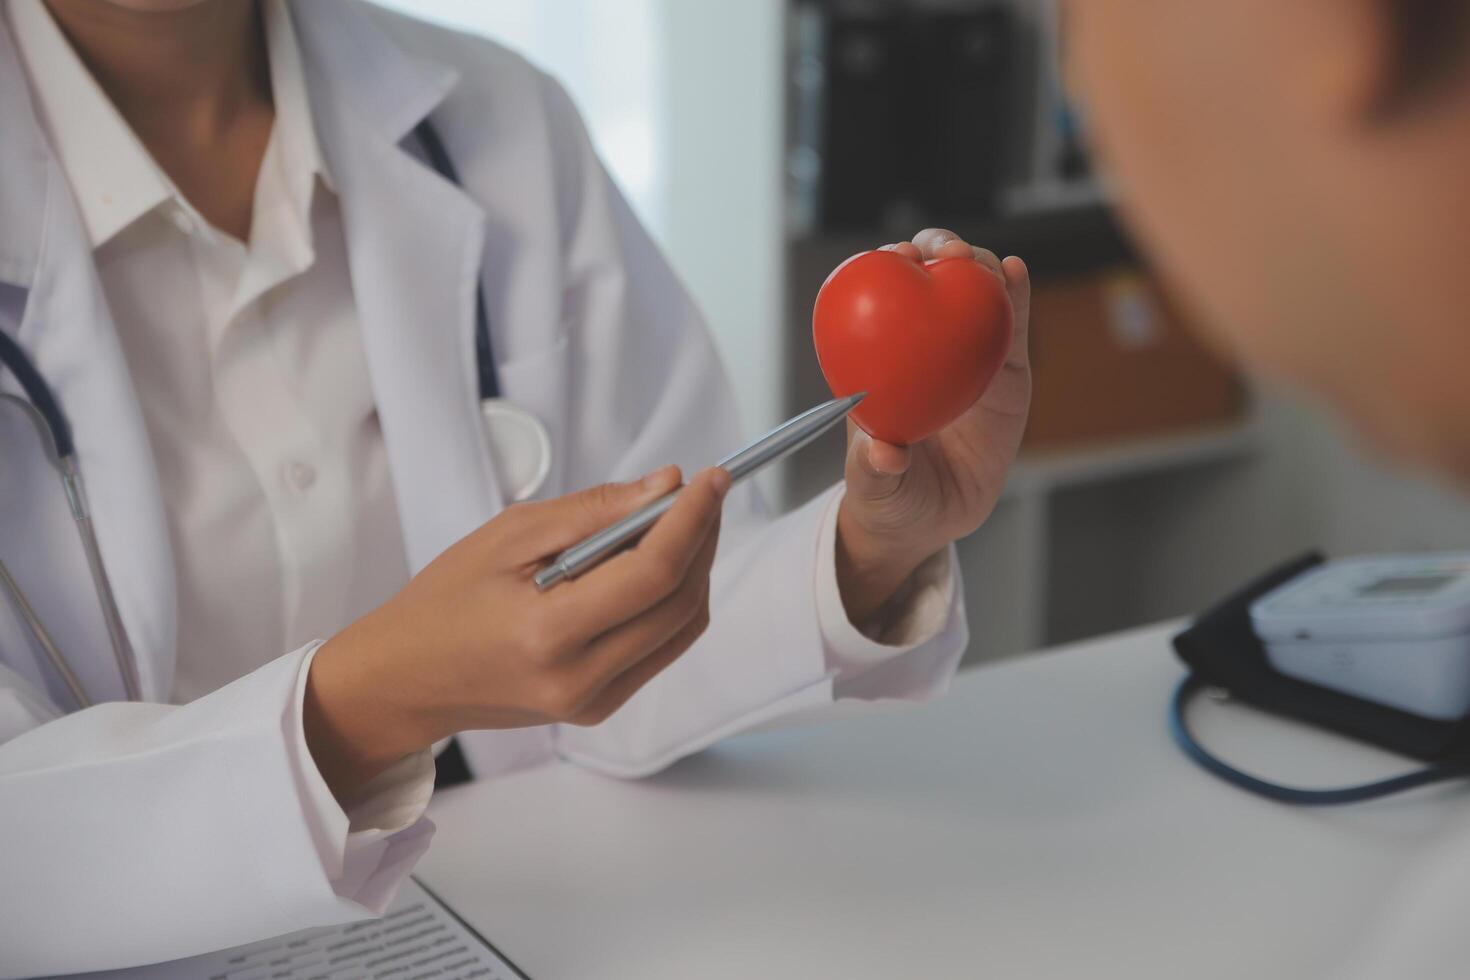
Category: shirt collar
[114,178]
[295,130]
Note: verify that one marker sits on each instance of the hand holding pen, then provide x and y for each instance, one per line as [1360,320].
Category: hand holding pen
[472,643]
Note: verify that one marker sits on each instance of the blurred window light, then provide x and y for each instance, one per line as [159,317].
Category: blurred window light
[605,54]
[683,100]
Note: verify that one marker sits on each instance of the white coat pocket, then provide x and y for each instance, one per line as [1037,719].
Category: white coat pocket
[540,383]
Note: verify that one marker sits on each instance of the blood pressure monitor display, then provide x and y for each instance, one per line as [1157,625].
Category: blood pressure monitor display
[1392,629]
[1407,585]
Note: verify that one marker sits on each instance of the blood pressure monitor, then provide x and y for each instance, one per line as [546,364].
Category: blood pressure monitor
[1393,629]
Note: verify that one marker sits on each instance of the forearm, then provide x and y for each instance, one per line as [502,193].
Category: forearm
[870,569]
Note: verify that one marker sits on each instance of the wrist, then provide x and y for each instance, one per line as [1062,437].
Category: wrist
[872,567]
[357,720]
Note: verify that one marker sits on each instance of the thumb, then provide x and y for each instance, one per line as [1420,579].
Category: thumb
[547,527]
[876,463]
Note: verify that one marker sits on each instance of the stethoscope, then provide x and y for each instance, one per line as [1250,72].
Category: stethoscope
[518,441]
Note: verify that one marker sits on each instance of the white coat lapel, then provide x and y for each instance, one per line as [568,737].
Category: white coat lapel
[414,245]
[69,334]
[24,160]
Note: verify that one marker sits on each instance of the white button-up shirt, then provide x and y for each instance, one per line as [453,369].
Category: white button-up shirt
[250,370]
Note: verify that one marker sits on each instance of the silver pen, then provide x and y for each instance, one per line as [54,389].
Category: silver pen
[779,443]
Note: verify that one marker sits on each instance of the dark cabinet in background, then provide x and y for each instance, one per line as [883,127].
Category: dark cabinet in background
[901,112]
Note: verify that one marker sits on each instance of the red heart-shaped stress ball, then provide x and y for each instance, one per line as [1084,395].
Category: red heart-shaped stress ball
[923,340]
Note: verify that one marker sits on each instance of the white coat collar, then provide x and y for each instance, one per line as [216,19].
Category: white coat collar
[23,163]
[388,89]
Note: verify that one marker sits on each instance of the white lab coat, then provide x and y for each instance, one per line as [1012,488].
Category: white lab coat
[131,833]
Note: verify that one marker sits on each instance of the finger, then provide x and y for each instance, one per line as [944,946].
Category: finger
[622,648]
[931,240]
[635,580]
[960,249]
[1018,287]
[941,243]
[886,459]
[990,260]
[875,467]
[536,530]
[621,688]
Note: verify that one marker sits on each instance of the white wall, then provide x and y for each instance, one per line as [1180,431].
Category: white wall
[1322,486]
[608,57]
[1315,486]
[684,103]
[1376,506]
[724,102]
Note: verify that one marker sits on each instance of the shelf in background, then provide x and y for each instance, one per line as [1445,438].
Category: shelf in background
[1056,195]
[1037,473]
[1059,241]
[1044,470]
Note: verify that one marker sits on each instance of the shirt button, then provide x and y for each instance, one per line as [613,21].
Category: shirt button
[300,475]
[181,220]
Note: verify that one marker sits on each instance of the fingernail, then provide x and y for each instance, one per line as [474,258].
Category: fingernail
[868,455]
[652,479]
[719,481]
[868,451]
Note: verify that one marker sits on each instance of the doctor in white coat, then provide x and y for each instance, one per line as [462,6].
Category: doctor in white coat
[255,302]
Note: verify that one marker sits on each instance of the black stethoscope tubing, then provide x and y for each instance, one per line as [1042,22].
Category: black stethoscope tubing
[489,382]
[1185,739]
[40,394]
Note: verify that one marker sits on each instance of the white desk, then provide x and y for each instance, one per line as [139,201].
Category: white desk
[1037,822]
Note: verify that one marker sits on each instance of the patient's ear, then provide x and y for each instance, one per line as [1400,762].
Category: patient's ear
[1346,61]
[1425,51]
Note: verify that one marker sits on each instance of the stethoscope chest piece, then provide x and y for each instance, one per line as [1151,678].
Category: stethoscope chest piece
[520,447]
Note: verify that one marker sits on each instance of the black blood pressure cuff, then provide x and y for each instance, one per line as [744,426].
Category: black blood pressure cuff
[1222,650]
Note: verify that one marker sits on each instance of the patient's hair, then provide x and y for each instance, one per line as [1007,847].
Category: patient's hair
[1433,44]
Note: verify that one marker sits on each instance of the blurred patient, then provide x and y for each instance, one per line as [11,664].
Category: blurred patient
[1302,170]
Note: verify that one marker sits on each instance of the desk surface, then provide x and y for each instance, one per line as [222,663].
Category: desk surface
[1036,822]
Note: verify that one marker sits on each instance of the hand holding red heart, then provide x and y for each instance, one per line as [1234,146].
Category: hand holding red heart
[969,357]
